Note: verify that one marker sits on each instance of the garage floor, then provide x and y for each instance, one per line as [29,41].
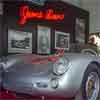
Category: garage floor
[6,96]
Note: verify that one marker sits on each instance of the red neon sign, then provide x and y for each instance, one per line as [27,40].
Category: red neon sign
[26,14]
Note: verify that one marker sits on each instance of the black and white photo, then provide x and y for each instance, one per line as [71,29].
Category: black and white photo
[19,42]
[62,40]
[80,30]
[1,8]
[43,39]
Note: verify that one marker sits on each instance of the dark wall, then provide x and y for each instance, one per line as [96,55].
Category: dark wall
[11,21]
[1,35]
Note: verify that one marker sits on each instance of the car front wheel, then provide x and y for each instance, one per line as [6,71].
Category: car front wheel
[90,87]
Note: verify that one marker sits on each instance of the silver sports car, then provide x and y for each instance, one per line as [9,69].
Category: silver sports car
[67,75]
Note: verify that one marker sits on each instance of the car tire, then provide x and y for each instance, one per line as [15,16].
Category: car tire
[90,84]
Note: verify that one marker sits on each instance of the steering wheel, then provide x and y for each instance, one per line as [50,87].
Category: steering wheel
[89,51]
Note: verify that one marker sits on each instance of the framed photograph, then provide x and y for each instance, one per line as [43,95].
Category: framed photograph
[19,42]
[43,40]
[1,8]
[62,40]
[80,30]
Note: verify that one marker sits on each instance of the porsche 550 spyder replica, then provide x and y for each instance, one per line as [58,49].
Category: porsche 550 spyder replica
[67,75]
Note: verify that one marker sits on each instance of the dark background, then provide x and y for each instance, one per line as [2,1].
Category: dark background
[1,35]
[10,20]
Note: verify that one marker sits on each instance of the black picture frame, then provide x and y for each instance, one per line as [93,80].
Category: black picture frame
[19,41]
[62,40]
[43,39]
[80,29]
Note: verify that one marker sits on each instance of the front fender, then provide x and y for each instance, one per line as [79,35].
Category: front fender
[75,73]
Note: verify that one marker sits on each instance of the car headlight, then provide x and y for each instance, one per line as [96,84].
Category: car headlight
[61,66]
[54,83]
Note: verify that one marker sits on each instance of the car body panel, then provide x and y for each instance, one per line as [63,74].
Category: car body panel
[24,77]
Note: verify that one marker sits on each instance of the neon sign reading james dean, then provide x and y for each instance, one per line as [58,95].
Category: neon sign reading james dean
[49,14]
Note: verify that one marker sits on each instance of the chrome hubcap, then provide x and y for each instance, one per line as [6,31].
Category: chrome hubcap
[92,86]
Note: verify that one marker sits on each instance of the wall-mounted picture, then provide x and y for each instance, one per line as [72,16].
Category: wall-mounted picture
[19,42]
[80,30]
[62,40]
[43,37]
[1,8]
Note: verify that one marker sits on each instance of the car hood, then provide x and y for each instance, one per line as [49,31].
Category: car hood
[26,65]
[31,65]
[30,68]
